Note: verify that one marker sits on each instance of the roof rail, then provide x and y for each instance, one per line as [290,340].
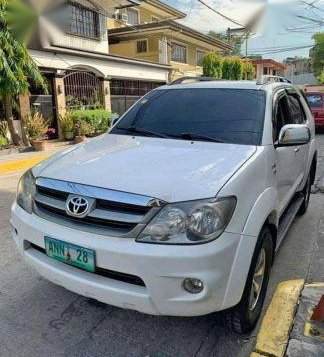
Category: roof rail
[189,79]
[271,79]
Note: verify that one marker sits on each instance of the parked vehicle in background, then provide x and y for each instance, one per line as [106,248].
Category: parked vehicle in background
[316,103]
[179,210]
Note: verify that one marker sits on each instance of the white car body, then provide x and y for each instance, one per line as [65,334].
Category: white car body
[133,168]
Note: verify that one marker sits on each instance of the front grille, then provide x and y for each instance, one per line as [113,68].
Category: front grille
[114,213]
[126,278]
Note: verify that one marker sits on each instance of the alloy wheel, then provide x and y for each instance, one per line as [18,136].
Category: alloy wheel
[257,281]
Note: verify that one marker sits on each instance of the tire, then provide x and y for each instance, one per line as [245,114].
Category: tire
[244,316]
[306,192]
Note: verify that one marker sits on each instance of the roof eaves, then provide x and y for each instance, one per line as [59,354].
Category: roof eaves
[97,55]
[163,6]
[173,25]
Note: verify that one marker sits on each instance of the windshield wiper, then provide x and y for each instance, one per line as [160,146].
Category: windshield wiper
[193,136]
[134,129]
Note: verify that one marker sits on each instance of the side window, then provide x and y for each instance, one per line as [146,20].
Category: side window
[297,115]
[281,116]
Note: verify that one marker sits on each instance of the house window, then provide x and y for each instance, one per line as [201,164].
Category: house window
[155,19]
[132,16]
[84,22]
[199,57]
[141,46]
[265,70]
[179,53]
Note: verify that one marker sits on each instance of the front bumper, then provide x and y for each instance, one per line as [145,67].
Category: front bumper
[162,268]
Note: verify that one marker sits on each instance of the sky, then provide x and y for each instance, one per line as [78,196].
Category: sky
[280,28]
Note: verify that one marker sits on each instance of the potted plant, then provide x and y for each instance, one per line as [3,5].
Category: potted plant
[67,125]
[81,129]
[36,128]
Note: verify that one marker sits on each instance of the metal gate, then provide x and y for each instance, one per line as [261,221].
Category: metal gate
[124,93]
[82,90]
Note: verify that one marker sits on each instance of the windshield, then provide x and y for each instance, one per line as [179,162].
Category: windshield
[224,115]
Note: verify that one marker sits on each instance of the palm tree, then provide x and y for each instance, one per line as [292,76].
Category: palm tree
[17,68]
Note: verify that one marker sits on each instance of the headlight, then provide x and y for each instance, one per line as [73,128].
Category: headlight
[26,191]
[190,222]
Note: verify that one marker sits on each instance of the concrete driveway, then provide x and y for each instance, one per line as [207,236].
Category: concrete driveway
[38,318]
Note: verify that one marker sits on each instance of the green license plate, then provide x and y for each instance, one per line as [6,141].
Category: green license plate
[70,254]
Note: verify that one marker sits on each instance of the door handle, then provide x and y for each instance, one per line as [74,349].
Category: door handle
[274,168]
[297,149]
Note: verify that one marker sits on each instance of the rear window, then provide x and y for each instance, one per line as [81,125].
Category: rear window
[315,100]
[228,115]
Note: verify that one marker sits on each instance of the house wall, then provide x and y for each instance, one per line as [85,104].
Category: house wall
[54,34]
[157,44]
[102,67]
[129,49]
[145,14]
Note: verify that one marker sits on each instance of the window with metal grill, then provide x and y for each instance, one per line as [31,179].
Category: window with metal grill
[200,57]
[84,22]
[141,46]
[179,53]
[132,17]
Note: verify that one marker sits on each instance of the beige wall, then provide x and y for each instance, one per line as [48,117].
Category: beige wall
[145,15]
[127,48]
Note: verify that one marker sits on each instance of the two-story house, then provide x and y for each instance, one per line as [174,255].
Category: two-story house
[149,30]
[71,49]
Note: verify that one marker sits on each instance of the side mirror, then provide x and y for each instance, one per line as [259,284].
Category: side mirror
[114,119]
[294,134]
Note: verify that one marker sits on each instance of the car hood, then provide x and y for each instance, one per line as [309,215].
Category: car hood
[171,170]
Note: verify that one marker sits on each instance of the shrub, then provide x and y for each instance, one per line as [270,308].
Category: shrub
[36,126]
[4,129]
[248,70]
[82,128]
[227,68]
[98,119]
[3,142]
[212,65]
[66,122]
[232,68]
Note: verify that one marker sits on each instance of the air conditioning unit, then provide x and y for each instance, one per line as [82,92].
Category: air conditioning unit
[124,18]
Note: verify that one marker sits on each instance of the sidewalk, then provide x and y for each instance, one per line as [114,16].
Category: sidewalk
[11,160]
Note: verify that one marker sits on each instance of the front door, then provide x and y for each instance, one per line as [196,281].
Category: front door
[298,116]
[285,163]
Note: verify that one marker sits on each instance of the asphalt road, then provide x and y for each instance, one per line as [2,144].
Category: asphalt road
[38,318]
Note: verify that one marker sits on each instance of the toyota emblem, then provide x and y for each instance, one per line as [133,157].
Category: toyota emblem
[77,206]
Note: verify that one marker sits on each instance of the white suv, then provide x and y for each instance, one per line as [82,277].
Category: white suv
[180,209]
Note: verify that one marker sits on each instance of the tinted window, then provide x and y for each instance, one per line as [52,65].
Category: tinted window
[282,116]
[228,115]
[295,109]
[315,100]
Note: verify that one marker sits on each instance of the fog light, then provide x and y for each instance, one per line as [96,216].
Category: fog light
[193,286]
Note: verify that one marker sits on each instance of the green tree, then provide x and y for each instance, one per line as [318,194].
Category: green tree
[232,68]
[235,40]
[317,53]
[320,78]
[317,56]
[228,68]
[17,67]
[248,70]
[212,65]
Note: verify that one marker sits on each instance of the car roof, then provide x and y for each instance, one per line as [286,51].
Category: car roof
[252,85]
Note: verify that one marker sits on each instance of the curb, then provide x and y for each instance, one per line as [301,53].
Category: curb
[23,164]
[273,335]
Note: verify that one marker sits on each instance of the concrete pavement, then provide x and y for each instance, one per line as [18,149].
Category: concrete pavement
[38,318]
